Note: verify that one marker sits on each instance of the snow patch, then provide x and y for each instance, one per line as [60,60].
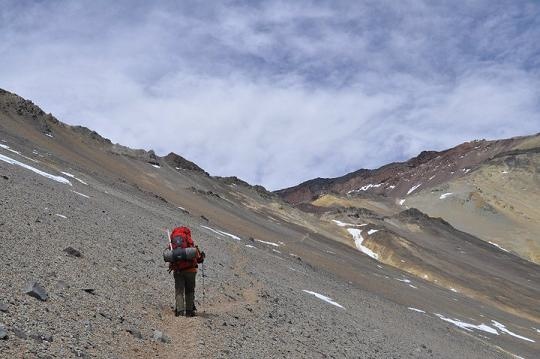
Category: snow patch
[49,135]
[403,280]
[454,290]
[432,177]
[275,250]
[392,187]
[75,178]
[6,147]
[468,326]
[324,298]
[416,310]
[269,243]
[250,246]
[35,170]
[368,186]
[81,194]
[156,166]
[498,246]
[413,188]
[503,329]
[61,216]
[358,239]
[445,195]
[222,233]
[401,201]
[343,224]
[371,231]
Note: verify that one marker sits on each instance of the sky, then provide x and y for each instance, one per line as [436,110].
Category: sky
[279,92]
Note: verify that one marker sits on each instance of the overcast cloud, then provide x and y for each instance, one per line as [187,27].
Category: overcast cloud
[278,92]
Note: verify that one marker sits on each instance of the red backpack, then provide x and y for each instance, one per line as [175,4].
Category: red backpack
[181,237]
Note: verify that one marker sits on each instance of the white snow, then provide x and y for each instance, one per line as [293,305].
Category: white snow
[269,243]
[392,187]
[60,215]
[358,239]
[454,290]
[222,233]
[275,250]
[537,330]
[412,286]
[250,246]
[75,178]
[413,188]
[182,208]
[156,166]
[325,298]
[403,280]
[81,194]
[366,187]
[401,201]
[504,172]
[466,170]
[432,177]
[371,231]
[49,135]
[503,329]
[416,310]
[6,147]
[498,246]
[343,224]
[35,170]
[445,195]
[468,326]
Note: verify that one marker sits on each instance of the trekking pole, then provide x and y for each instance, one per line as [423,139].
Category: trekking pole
[203,290]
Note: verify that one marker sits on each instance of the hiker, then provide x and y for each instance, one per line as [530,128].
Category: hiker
[184,271]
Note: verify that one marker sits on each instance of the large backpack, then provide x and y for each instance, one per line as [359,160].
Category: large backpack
[181,238]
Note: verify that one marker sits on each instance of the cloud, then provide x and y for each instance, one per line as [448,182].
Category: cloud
[279,92]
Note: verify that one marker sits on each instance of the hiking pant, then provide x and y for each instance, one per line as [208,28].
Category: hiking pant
[184,282]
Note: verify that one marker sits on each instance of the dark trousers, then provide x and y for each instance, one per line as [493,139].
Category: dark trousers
[184,285]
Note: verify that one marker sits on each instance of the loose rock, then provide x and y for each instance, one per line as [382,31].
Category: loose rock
[135,332]
[72,252]
[3,332]
[3,307]
[34,289]
[162,337]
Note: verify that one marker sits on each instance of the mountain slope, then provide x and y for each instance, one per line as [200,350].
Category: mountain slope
[486,188]
[270,265]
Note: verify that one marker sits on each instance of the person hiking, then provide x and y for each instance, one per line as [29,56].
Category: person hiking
[185,272]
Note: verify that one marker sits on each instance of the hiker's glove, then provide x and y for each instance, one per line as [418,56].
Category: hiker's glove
[201,257]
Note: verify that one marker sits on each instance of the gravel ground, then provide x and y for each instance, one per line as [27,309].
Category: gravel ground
[110,301]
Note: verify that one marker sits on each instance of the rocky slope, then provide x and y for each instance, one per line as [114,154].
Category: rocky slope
[486,188]
[85,219]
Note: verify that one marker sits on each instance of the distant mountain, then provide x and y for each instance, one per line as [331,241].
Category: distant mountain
[487,188]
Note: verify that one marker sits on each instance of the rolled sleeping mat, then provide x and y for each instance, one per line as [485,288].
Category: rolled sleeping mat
[179,254]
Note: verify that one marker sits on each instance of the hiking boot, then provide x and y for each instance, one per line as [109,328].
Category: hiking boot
[190,313]
[178,313]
